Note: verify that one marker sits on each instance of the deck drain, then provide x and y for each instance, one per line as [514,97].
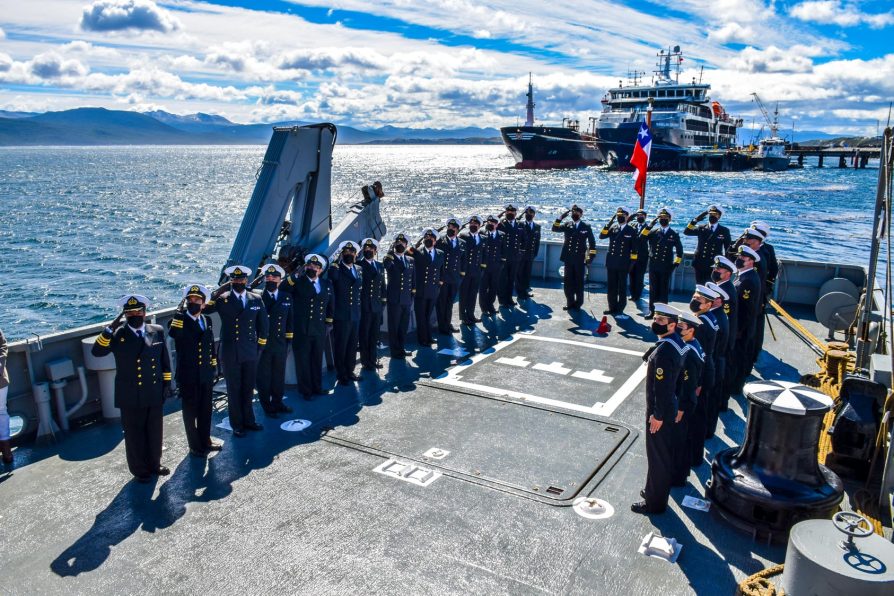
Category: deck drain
[408,472]
[593,508]
[555,490]
[295,426]
[436,453]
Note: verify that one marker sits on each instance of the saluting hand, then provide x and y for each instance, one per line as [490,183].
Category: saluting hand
[701,216]
[654,425]
[564,215]
[117,322]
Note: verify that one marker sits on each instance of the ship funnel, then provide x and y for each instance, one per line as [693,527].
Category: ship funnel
[529,108]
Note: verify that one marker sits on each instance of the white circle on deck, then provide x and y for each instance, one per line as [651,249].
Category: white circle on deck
[296,425]
[593,508]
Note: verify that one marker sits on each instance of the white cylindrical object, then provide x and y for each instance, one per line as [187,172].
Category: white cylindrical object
[46,426]
[105,373]
[58,388]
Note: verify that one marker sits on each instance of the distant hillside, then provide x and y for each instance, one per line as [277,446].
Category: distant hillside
[99,126]
[844,142]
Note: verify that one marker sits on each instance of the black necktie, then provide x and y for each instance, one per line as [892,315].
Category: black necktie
[140,333]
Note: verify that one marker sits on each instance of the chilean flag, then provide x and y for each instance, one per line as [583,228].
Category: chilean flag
[640,158]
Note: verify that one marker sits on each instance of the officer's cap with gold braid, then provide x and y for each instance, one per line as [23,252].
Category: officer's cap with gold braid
[755,234]
[349,244]
[274,270]
[492,218]
[667,310]
[370,242]
[747,251]
[722,261]
[720,291]
[475,218]
[237,271]
[429,232]
[690,318]
[622,211]
[452,221]
[640,212]
[577,208]
[511,207]
[531,208]
[315,259]
[706,292]
[665,212]
[133,302]
[197,290]
[715,210]
[761,227]
[401,237]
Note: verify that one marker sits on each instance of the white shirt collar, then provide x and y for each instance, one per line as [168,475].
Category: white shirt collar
[140,329]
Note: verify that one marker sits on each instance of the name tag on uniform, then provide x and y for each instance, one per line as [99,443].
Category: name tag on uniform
[255,308]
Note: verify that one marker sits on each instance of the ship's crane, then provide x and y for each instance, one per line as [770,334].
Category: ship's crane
[774,123]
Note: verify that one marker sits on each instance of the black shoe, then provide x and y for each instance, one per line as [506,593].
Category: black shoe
[608,311]
[444,331]
[253,426]
[238,433]
[453,329]
[368,367]
[343,382]
[197,453]
[270,414]
[398,356]
[640,508]
[307,396]
[353,377]
[642,493]
[162,471]
[566,307]
[476,320]
[214,446]
[143,479]
[284,409]
[649,316]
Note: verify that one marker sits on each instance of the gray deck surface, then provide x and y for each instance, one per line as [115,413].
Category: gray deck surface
[283,512]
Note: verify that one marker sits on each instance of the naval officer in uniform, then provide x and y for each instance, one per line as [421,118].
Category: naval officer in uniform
[702,305]
[638,273]
[429,265]
[515,238]
[142,382]
[715,395]
[312,313]
[193,336]
[750,315]
[243,335]
[272,363]
[665,255]
[372,304]
[713,239]
[347,285]
[493,259]
[619,260]
[664,365]
[689,389]
[530,249]
[451,276]
[578,249]
[472,267]
[401,285]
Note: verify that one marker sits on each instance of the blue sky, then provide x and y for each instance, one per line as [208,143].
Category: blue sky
[443,63]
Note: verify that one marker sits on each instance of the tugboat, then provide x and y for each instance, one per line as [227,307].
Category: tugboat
[772,153]
[542,147]
[689,131]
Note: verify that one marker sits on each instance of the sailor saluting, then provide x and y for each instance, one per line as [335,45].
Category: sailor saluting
[142,383]
[272,363]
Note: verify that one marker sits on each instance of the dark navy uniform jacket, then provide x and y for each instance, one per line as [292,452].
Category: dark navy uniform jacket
[401,279]
[642,241]
[706,334]
[710,242]
[311,311]
[196,353]
[453,258]
[748,288]
[721,341]
[731,309]
[532,239]
[472,252]
[244,329]
[143,367]
[372,293]
[769,269]
[279,312]
[428,272]
[493,253]
[346,288]
[516,238]
[665,248]
[621,246]
[665,363]
[690,377]
[579,244]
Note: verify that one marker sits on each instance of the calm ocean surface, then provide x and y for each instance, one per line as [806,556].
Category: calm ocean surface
[82,225]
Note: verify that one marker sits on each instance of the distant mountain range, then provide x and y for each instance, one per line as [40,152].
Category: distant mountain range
[99,126]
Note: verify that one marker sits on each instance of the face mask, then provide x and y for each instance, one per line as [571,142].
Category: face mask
[368,254]
[473,229]
[622,220]
[270,286]
[740,263]
[659,329]
[664,222]
[695,305]
[347,258]
[490,227]
[135,321]
[510,216]
[399,248]
[529,217]
[193,308]
[428,242]
[575,216]
[713,219]
[715,277]
[310,272]
[641,219]
[239,287]
[451,232]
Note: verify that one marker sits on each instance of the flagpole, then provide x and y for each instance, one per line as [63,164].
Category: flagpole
[642,197]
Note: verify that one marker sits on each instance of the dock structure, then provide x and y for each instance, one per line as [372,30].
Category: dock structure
[857,157]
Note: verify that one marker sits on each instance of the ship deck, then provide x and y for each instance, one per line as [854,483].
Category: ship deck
[306,512]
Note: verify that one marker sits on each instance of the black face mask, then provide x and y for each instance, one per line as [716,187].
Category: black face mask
[310,272]
[451,232]
[490,227]
[740,263]
[529,217]
[474,229]
[622,220]
[238,287]
[368,254]
[713,219]
[399,248]
[641,219]
[270,286]
[715,277]
[510,216]
[664,222]
[575,216]
[428,242]
[193,308]
[135,321]
[695,305]
[659,328]
[347,258]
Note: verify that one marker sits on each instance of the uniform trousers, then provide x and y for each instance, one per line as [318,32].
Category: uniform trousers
[468,294]
[702,274]
[196,398]
[487,290]
[308,350]
[681,451]
[241,377]
[370,323]
[660,458]
[573,282]
[523,280]
[717,398]
[637,277]
[617,289]
[142,439]
[398,323]
[345,339]
[423,308]
[659,287]
[508,274]
[271,379]
[446,298]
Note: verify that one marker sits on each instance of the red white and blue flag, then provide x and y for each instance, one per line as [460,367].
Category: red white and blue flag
[640,158]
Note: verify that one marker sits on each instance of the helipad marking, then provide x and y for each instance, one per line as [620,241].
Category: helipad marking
[516,361]
[453,377]
[594,375]
[553,367]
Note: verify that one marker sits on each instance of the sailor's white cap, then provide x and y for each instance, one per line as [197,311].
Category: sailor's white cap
[370,242]
[402,237]
[747,250]
[452,220]
[715,209]
[660,308]
[665,211]
[753,233]
[197,290]
[531,208]
[349,244]
[429,232]
[722,261]
[623,210]
[237,271]
[475,218]
[720,291]
[690,318]
[706,291]
[762,227]
[315,259]
[273,269]
[133,302]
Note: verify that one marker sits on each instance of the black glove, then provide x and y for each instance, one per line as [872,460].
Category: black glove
[168,391]
[701,216]
[117,322]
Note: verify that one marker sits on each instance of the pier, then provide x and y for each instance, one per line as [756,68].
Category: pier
[857,157]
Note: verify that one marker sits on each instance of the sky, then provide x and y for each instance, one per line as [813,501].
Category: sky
[444,63]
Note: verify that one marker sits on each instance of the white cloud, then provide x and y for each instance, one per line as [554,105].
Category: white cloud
[731,32]
[837,12]
[127,15]
[2,33]
[772,59]
[51,65]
